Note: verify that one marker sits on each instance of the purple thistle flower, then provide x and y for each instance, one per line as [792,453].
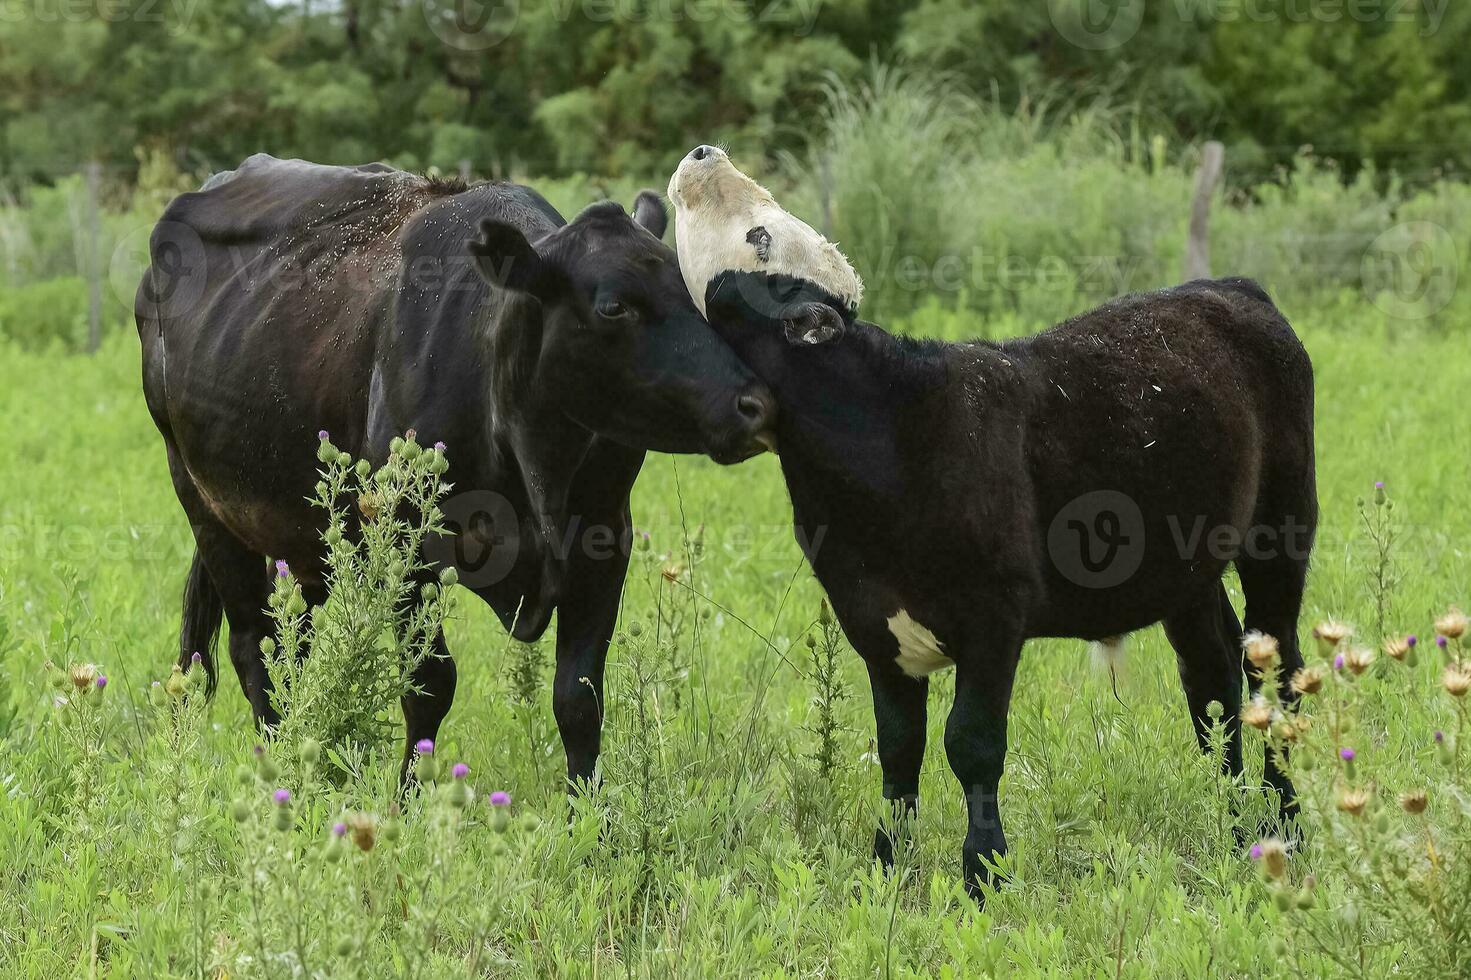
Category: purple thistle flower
[460,771]
[1346,754]
[424,746]
[1411,640]
[322,435]
[439,447]
[1378,484]
[339,829]
[1256,852]
[101,681]
[1440,641]
[259,750]
[282,569]
[1338,662]
[196,657]
[282,796]
[1439,737]
[500,798]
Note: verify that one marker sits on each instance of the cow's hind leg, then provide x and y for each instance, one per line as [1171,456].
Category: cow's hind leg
[1205,637]
[1274,589]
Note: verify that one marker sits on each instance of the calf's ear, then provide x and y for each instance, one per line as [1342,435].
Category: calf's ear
[648,210]
[812,323]
[506,258]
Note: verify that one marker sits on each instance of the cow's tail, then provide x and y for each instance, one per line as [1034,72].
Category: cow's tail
[203,610]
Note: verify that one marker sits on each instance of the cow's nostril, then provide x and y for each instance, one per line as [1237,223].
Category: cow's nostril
[755,410]
[700,152]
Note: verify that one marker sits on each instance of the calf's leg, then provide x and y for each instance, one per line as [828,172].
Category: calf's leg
[1210,669]
[1274,589]
[899,714]
[425,709]
[975,744]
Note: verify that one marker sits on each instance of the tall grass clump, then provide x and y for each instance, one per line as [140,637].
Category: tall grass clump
[384,609]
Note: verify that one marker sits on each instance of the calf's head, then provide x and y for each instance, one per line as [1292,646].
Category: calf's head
[622,347]
[767,282]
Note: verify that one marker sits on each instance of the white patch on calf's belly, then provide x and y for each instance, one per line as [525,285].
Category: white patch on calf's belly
[919,649]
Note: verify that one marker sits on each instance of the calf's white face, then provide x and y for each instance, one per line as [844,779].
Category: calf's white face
[726,222]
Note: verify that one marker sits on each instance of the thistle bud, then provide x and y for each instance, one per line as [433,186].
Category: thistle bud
[1214,710]
[240,811]
[396,445]
[825,613]
[429,591]
[266,769]
[362,469]
[157,696]
[326,452]
[344,947]
[1445,748]
[56,677]
[1308,680]
[390,831]
[1414,801]
[1261,649]
[268,646]
[176,686]
[635,629]
[310,751]
[811,640]
[1379,495]
[449,577]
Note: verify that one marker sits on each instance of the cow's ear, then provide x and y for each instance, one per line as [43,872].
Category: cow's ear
[812,323]
[648,210]
[506,258]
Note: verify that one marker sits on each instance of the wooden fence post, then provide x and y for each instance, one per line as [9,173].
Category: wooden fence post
[1198,246]
[92,248]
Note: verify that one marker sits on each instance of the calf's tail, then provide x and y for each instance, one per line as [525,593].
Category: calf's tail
[203,610]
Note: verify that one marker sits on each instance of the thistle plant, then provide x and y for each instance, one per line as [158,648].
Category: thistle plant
[825,644]
[1393,885]
[1377,515]
[384,606]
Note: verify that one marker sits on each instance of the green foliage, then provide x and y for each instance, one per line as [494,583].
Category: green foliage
[1382,880]
[384,609]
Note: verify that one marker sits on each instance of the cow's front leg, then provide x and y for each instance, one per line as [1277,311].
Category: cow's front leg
[899,713]
[975,743]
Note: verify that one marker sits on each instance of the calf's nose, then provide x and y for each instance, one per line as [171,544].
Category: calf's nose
[757,409]
[702,151]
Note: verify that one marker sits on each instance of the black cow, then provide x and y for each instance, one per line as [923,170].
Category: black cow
[1085,482]
[287,297]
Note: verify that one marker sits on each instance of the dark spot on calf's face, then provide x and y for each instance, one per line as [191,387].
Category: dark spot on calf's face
[761,240]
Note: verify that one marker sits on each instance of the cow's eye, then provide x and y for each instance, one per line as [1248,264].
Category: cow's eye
[612,310]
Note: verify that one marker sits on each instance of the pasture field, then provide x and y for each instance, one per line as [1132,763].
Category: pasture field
[732,831]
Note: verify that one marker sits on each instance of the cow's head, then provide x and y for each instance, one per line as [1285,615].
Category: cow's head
[764,279]
[622,344]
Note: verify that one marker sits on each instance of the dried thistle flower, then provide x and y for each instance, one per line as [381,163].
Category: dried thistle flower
[1257,714]
[364,830]
[1329,634]
[83,676]
[1399,647]
[1272,854]
[1353,800]
[1261,649]
[1358,659]
[1456,680]
[1308,680]
[1452,624]
[1414,801]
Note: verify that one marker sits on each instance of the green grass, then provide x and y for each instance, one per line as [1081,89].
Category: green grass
[714,848]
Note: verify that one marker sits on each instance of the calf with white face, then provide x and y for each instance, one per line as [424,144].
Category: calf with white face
[968,497]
